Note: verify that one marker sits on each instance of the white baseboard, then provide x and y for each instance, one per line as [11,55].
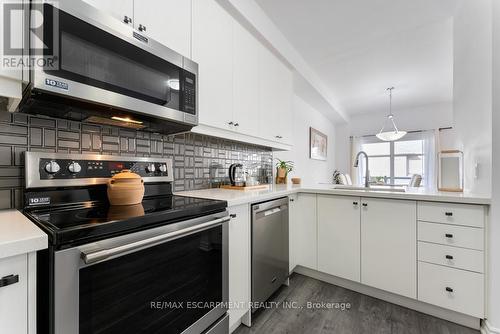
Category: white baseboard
[244,320]
[459,318]
[235,326]
[486,328]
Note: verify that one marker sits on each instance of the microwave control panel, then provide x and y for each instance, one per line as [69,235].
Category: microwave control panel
[189,92]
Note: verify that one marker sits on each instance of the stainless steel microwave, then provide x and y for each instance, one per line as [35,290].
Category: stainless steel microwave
[88,66]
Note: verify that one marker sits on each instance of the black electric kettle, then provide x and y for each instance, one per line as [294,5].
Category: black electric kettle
[235,177]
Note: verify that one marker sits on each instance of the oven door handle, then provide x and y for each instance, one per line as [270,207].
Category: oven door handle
[102,254]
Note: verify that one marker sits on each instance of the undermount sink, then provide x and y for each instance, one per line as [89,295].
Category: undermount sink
[372,188]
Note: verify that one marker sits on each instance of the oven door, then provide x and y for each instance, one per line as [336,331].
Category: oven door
[171,279]
[93,57]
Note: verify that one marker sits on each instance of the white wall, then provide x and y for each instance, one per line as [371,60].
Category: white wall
[494,227]
[343,148]
[472,94]
[311,171]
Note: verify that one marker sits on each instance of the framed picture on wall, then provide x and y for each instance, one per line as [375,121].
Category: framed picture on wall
[318,143]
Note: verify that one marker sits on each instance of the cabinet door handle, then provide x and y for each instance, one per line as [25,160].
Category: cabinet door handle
[448,235]
[449,289]
[449,214]
[365,204]
[236,124]
[449,257]
[8,280]
[232,215]
[292,200]
[230,123]
[127,19]
[141,27]
[278,136]
[354,203]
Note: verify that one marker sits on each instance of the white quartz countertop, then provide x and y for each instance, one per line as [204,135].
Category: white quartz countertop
[237,197]
[18,235]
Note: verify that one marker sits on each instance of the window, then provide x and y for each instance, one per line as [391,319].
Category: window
[394,163]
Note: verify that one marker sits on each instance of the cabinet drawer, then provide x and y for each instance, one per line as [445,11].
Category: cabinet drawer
[461,258]
[14,297]
[451,235]
[454,289]
[448,213]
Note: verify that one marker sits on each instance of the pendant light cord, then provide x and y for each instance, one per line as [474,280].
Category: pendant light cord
[390,116]
[390,100]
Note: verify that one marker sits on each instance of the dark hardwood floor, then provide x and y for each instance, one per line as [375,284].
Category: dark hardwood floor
[366,315]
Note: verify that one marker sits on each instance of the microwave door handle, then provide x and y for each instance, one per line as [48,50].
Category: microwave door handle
[105,253]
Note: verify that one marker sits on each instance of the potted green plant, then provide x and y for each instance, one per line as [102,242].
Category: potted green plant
[283,167]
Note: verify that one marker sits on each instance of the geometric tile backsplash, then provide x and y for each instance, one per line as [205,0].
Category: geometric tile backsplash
[199,161]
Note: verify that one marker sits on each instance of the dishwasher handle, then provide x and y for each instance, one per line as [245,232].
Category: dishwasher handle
[271,207]
[272,211]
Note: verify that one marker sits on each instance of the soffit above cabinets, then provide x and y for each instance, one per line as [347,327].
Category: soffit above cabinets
[358,48]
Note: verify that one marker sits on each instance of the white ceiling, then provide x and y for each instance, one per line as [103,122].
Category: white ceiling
[360,47]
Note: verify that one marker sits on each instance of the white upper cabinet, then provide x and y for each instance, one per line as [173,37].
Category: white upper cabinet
[123,10]
[10,77]
[388,245]
[166,21]
[213,51]
[245,91]
[283,95]
[275,98]
[268,117]
[246,81]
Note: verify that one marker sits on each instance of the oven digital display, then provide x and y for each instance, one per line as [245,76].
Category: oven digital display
[116,166]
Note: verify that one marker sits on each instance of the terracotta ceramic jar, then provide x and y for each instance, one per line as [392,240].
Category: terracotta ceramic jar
[125,188]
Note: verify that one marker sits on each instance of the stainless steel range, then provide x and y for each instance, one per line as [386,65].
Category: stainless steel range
[157,267]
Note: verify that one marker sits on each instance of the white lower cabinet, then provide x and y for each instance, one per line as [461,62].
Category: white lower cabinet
[303,231]
[375,241]
[457,290]
[451,254]
[14,296]
[339,236]
[451,235]
[453,257]
[389,245]
[239,262]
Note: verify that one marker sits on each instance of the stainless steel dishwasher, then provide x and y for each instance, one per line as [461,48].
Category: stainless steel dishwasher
[269,248]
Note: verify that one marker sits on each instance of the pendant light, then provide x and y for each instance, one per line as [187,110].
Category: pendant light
[390,135]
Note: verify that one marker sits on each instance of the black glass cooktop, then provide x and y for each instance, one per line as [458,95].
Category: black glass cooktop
[91,221]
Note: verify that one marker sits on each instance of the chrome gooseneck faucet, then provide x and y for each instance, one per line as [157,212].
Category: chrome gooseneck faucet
[367,174]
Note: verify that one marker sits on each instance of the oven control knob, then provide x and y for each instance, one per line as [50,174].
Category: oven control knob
[74,167]
[163,168]
[150,168]
[52,167]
